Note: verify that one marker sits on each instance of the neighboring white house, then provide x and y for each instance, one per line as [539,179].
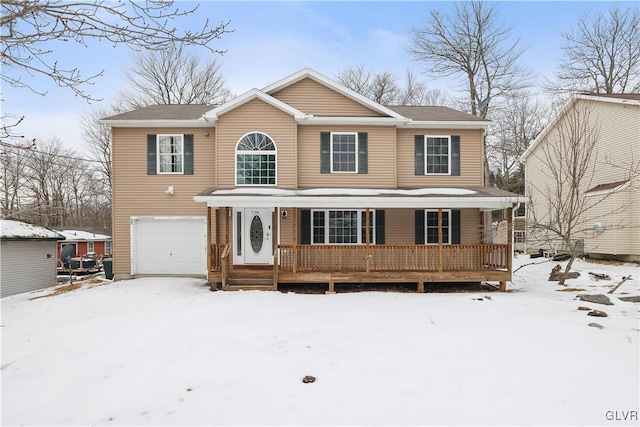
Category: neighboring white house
[27,257]
[611,225]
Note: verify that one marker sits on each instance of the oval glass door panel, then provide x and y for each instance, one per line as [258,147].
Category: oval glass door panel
[256,232]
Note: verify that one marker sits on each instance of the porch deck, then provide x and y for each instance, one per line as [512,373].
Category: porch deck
[366,263]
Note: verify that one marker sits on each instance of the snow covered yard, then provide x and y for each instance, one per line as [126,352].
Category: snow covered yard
[170,352]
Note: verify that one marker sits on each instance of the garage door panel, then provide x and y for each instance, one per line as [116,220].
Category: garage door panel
[174,246]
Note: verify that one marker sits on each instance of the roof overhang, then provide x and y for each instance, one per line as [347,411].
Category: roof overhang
[351,198]
[445,124]
[197,123]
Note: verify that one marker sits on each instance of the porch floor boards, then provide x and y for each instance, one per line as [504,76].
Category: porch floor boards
[263,279]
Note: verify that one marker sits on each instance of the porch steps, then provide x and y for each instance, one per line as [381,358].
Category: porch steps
[250,280]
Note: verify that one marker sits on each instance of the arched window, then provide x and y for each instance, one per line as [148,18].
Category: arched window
[256,160]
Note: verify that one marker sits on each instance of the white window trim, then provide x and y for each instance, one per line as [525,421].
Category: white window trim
[427,155]
[107,245]
[235,160]
[164,135]
[92,246]
[360,225]
[331,150]
[450,227]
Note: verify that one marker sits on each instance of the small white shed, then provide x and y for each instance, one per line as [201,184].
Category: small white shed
[27,257]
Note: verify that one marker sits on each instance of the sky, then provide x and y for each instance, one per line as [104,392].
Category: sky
[272,40]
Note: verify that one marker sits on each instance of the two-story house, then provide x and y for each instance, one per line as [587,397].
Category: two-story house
[608,202]
[304,181]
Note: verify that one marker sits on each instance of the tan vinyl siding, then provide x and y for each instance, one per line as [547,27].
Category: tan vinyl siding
[400,226]
[137,194]
[381,159]
[471,159]
[311,97]
[256,116]
[615,234]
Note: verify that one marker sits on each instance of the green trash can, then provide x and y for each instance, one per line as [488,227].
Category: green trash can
[107,264]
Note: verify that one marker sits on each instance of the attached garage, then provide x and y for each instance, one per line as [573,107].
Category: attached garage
[174,246]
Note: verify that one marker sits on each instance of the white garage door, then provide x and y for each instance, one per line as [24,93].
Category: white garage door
[175,245]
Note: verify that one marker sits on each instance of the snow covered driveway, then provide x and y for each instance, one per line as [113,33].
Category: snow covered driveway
[170,352]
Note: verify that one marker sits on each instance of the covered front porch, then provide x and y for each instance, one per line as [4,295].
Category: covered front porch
[463,255]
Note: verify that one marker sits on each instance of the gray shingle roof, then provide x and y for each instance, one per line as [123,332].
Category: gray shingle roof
[164,112]
[430,113]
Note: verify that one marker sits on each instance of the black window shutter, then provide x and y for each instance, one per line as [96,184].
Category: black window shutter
[188,154]
[325,152]
[420,227]
[151,155]
[379,227]
[305,226]
[363,156]
[419,154]
[455,227]
[455,154]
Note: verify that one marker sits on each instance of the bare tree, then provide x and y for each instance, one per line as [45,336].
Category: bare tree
[382,87]
[172,75]
[601,54]
[518,123]
[415,92]
[473,45]
[30,26]
[97,138]
[559,203]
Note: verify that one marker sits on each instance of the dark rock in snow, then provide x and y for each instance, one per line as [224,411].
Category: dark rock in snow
[582,308]
[596,325]
[597,313]
[630,299]
[308,379]
[597,299]
[557,276]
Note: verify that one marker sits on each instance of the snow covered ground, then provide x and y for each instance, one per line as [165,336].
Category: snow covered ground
[170,352]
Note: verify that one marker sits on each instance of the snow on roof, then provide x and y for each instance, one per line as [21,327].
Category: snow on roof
[347,192]
[18,230]
[83,235]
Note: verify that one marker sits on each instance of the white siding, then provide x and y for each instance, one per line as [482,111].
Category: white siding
[24,266]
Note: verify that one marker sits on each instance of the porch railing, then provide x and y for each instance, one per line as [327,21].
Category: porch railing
[381,257]
[393,257]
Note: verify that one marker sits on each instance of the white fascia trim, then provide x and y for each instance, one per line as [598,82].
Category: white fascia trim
[213,115]
[608,99]
[198,123]
[363,202]
[414,124]
[324,80]
[617,189]
[365,121]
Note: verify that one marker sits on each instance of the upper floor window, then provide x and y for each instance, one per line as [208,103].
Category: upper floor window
[344,152]
[256,160]
[169,154]
[437,154]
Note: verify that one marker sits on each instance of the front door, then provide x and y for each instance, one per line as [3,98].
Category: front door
[257,236]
